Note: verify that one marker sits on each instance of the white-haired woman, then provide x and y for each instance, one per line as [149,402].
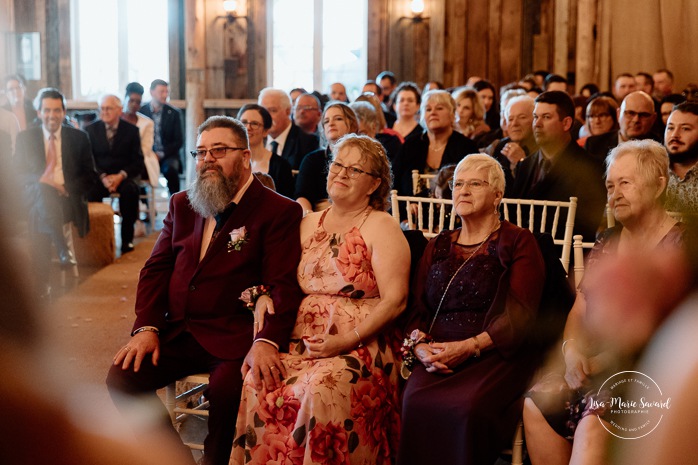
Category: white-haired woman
[475,297]
[560,413]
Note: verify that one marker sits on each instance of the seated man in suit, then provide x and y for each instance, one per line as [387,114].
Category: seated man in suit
[216,243]
[55,166]
[116,146]
[561,169]
[636,117]
[168,138]
[285,138]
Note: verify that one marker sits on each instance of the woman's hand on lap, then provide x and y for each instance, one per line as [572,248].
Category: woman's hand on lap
[324,345]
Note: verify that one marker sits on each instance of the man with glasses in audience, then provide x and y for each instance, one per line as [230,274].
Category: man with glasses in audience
[307,114]
[116,147]
[225,235]
[636,117]
[285,139]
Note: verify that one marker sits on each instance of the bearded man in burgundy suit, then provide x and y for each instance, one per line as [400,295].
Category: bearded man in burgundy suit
[226,234]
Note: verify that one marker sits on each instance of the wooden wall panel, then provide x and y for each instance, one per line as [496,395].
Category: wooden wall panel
[176,43]
[258,56]
[560,63]
[65,65]
[455,40]
[585,52]
[511,66]
[7,65]
[543,37]
[494,41]
[378,34]
[216,30]
[477,34]
[437,39]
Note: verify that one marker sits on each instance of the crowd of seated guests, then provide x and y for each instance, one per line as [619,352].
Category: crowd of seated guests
[476,291]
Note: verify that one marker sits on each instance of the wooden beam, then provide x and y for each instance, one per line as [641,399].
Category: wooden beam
[195,59]
[7,21]
[437,38]
[477,34]
[494,34]
[175,17]
[65,64]
[214,49]
[456,42]
[561,28]
[258,55]
[585,50]
[378,38]
[510,65]
[602,67]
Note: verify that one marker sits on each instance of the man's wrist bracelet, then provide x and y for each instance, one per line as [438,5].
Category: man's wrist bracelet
[477,347]
[152,329]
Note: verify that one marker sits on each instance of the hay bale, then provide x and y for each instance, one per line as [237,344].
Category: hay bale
[98,247]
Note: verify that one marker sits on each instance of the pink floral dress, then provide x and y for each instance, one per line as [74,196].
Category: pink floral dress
[338,410]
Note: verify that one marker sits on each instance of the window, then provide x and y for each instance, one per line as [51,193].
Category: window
[116,42]
[318,42]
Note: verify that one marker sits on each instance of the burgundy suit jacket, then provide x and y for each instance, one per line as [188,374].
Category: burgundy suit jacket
[176,292]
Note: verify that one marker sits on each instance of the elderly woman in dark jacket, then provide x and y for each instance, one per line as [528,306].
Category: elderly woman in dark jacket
[475,298]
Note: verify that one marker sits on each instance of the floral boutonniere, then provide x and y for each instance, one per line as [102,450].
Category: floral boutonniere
[238,238]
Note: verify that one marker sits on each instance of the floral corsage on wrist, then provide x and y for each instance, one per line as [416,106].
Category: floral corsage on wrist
[408,345]
[238,238]
[251,294]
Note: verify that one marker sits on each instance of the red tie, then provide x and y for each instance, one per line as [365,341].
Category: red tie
[50,160]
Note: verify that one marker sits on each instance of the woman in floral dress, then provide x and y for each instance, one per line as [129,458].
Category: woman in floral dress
[338,401]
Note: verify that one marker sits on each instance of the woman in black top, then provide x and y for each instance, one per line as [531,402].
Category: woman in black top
[434,147]
[257,120]
[338,119]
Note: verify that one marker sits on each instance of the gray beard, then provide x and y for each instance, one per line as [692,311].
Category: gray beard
[209,195]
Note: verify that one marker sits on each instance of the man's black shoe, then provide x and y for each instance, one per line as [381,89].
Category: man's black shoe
[127,248]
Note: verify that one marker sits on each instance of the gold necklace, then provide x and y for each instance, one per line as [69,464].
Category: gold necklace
[435,149]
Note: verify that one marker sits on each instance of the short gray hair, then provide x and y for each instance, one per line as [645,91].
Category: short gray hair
[476,161]
[519,98]
[651,156]
[284,98]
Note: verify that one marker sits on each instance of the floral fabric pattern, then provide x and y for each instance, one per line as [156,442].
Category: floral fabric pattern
[341,410]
